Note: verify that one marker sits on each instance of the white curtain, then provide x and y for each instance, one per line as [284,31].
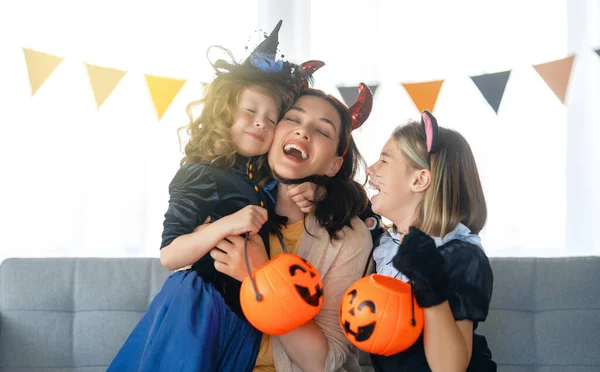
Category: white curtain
[78,181]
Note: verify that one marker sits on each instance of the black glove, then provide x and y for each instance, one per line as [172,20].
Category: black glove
[420,261]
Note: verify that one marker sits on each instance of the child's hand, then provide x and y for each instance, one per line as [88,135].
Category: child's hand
[248,219]
[420,261]
[304,195]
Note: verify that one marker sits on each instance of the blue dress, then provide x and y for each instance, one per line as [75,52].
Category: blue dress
[195,322]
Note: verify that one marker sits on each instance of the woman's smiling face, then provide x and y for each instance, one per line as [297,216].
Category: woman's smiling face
[306,140]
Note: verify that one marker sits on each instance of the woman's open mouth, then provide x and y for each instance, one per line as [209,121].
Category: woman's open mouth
[295,151]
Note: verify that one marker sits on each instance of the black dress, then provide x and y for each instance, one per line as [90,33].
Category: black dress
[470,291]
[198,191]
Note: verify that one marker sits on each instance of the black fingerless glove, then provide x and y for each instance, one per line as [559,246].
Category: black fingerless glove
[420,261]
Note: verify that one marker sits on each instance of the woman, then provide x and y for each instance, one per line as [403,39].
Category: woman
[313,142]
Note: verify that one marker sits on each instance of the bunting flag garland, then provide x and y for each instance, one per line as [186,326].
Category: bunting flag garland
[163,91]
[492,87]
[556,74]
[103,80]
[39,67]
[425,94]
[350,93]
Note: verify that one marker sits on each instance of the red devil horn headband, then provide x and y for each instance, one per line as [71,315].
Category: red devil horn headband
[312,66]
[360,110]
[308,68]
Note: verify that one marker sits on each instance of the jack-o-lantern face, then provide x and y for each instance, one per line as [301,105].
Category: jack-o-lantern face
[364,332]
[376,315]
[308,274]
[291,294]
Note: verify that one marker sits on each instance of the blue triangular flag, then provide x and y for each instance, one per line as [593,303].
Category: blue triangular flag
[492,87]
[350,93]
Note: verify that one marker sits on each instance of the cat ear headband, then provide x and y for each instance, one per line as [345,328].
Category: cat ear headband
[430,129]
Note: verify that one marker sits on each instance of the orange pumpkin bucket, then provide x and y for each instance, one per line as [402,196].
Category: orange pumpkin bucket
[282,294]
[379,315]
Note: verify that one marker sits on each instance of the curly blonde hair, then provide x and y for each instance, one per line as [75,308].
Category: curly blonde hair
[210,138]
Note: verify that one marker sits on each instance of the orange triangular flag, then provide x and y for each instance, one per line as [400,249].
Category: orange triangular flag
[556,74]
[104,80]
[39,67]
[425,94]
[163,91]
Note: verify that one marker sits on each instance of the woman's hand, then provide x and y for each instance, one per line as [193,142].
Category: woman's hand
[230,259]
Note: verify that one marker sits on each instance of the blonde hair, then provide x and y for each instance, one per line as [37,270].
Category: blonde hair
[455,194]
[210,138]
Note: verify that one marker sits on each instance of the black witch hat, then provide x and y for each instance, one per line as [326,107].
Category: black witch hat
[263,65]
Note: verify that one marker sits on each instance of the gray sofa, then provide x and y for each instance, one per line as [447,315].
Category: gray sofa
[74,314]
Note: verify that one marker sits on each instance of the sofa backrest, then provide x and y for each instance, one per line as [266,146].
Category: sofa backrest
[73,314]
[545,314]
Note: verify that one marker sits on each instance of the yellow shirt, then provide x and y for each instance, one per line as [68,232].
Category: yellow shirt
[291,238]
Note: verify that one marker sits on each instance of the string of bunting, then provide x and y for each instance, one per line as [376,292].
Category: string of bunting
[424,95]
[103,80]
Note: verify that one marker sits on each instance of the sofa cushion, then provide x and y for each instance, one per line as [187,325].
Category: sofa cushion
[71,313]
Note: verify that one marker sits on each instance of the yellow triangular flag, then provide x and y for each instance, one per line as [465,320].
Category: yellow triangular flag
[556,74]
[104,80]
[425,94]
[39,67]
[163,91]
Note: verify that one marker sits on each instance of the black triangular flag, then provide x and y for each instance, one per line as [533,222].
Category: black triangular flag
[598,52]
[492,87]
[350,93]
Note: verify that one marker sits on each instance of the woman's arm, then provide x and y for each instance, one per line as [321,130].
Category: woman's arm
[448,343]
[306,346]
[320,344]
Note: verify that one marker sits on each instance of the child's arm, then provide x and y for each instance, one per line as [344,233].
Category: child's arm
[453,284]
[448,343]
[189,248]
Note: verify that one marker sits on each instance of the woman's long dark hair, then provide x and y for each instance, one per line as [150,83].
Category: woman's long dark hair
[345,198]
